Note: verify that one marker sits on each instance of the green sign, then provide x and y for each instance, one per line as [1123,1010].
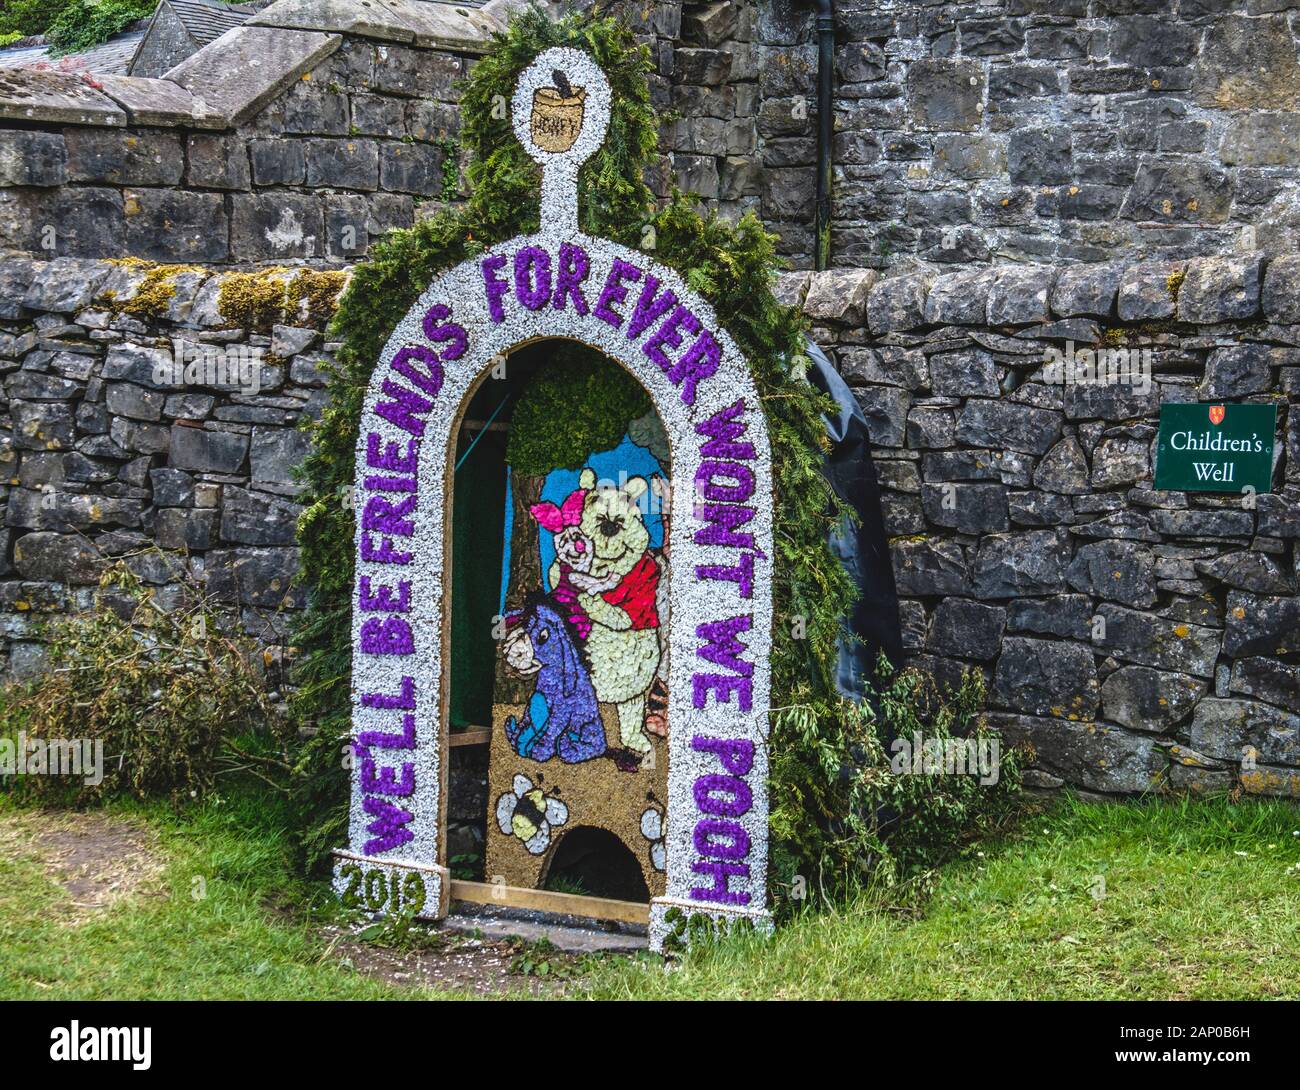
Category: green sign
[1216,447]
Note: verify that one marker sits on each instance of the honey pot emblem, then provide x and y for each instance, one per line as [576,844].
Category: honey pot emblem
[560,113]
[557,114]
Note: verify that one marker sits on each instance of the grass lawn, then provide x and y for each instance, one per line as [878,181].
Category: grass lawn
[1200,900]
[214,913]
[1133,900]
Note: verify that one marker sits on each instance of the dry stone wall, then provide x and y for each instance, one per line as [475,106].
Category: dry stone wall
[277,143]
[1135,638]
[111,449]
[1002,129]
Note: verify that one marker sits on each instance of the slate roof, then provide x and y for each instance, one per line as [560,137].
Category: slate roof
[112,58]
[207,20]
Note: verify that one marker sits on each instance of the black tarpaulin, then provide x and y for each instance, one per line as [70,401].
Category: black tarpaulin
[862,548]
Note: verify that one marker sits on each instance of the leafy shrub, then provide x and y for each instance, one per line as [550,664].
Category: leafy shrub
[28,17]
[164,690]
[875,820]
[85,23]
[579,403]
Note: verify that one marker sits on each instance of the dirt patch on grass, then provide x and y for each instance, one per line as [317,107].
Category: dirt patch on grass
[98,860]
[446,961]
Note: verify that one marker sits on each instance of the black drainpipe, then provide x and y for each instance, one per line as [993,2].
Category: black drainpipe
[825,129]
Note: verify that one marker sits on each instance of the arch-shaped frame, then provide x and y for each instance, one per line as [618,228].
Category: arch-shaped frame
[560,283]
[642,315]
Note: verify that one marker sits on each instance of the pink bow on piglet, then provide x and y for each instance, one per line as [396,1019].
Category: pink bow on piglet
[555,519]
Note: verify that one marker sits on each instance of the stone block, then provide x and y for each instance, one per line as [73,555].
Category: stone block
[929,567]
[158,102]
[114,157]
[1019,565]
[1148,290]
[1281,295]
[1005,424]
[218,162]
[278,162]
[207,451]
[966,508]
[29,157]
[276,226]
[175,225]
[1236,371]
[898,303]
[885,409]
[342,163]
[255,518]
[1046,677]
[1261,624]
[254,576]
[840,295]
[57,558]
[1220,289]
[411,168]
[1121,571]
[945,95]
[276,453]
[1093,756]
[1150,640]
[966,629]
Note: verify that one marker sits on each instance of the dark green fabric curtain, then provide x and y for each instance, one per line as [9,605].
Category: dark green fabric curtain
[477,540]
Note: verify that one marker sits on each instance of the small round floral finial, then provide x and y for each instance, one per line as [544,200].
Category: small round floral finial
[560,113]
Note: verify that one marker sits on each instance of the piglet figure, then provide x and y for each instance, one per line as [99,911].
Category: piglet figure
[574,550]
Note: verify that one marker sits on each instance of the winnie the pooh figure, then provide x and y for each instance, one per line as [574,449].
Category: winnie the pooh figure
[617,582]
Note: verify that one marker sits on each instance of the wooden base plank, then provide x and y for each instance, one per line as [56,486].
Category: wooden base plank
[545,900]
[474,736]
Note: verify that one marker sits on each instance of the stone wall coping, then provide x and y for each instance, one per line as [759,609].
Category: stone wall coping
[247,66]
[1245,287]
[66,285]
[160,102]
[418,22]
[1198,290]
[66,99]
[230,79]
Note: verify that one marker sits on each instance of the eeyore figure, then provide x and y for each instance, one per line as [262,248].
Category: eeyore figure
[561,716]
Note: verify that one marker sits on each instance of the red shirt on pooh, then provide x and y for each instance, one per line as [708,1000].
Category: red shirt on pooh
[635,594]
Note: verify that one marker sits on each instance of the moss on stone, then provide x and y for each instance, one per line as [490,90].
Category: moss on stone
[253,300]
[153,297]
[314,296]
[1175,283]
